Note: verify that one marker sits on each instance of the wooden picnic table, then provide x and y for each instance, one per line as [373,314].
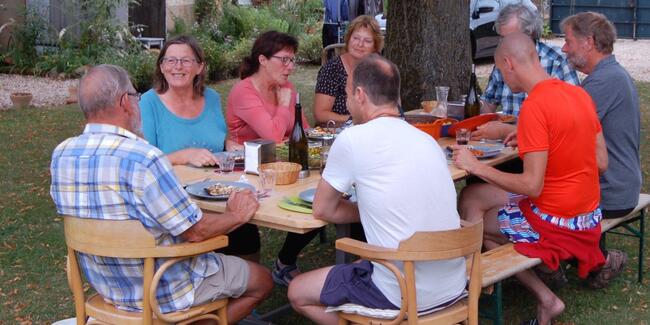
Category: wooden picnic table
[271,216]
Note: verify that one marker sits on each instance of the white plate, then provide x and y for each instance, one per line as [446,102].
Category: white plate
[308,195]
[198,189]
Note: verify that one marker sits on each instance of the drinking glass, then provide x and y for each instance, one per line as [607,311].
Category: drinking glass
[267,181]
[462,136]
[226,162]
[441,98]
[323,159]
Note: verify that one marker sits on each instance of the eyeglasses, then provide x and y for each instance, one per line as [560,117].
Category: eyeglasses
[136,94]
[173,61]
[285,59]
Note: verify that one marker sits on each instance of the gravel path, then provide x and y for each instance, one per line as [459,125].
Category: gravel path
[50,92]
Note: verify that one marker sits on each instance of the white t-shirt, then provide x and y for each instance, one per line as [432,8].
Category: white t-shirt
[403,185]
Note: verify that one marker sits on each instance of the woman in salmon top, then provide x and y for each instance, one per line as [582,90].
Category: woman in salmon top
[261,105]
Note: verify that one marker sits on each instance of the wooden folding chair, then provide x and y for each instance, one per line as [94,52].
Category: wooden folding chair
[425,246]
[337,48]
[129,239]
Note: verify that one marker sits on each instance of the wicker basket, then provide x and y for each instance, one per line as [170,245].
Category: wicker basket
[285,172]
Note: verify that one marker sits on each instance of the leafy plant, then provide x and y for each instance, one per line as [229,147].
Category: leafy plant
[310,47]
[25,37]
[547,32]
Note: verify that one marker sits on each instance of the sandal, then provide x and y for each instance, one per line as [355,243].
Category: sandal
[555,280]
[614,265]
[282,275]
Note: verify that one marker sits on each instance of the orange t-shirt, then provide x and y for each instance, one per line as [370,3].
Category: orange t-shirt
[561,119]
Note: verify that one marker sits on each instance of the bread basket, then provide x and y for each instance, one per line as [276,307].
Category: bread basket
[285,172]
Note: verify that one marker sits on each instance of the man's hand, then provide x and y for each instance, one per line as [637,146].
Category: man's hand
[511,139]
[242,205]
[464,159]
[492,130]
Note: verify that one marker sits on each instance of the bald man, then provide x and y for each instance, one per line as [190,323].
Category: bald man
[550,210]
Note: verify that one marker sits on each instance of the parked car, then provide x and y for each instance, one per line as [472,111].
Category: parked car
[482,15]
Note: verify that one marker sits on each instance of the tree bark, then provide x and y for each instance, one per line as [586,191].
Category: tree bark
[429,40]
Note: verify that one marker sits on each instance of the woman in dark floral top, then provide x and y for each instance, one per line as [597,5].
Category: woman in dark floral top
[362,38]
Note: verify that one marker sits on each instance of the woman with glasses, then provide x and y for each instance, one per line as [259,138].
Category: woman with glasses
[261,105]
[362,38]
[183,118]
[180,115]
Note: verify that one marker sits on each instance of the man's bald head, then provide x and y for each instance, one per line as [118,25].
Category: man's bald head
[101,88]
[519,48]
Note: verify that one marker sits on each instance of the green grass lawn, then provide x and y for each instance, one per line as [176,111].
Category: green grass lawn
[33,286]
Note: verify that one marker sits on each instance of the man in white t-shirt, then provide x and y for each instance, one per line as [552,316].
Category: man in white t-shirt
[403,185]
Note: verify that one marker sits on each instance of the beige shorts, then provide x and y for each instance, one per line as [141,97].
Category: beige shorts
[230,282]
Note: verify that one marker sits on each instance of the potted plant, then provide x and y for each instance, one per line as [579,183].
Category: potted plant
[21,99]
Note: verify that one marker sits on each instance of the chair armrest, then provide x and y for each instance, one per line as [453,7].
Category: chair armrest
[366,250]
[190,249]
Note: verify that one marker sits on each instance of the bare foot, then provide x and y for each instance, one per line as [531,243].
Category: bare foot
[547,310]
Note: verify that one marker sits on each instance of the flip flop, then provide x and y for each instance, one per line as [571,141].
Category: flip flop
[530,322]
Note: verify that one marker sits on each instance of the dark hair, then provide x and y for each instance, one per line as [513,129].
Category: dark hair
[266,44]
[592,24]
[379,78]
[198,84]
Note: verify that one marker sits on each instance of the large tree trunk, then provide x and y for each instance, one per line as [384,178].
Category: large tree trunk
[429,40]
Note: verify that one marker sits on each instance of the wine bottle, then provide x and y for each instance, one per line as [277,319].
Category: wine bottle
[298,147]
[472,101]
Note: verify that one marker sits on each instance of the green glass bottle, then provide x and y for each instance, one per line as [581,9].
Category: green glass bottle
[298,146]
[472,101]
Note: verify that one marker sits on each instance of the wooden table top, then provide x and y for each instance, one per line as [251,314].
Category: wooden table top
[270,215]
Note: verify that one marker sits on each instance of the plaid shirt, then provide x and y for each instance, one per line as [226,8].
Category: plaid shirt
[109,173]
[551,59]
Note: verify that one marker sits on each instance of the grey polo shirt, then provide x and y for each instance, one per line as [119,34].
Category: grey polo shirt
[617,103]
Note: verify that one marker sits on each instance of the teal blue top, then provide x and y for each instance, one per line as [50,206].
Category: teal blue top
[171,133]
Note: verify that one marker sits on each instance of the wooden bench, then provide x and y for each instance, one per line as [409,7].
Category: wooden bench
[503,262]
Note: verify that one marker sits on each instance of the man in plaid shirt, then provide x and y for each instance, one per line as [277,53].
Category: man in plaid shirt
[110,172]
[519,18]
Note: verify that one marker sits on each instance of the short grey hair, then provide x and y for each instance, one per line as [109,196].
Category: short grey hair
[101,86]
[530,22]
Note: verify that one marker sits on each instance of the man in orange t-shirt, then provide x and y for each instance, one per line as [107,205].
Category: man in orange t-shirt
[549,211]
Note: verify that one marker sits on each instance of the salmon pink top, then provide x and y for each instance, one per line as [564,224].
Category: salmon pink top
[250,117]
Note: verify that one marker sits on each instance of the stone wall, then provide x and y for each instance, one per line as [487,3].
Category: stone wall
[179,8]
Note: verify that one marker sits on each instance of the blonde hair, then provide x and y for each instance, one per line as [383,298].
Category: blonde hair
[369,22]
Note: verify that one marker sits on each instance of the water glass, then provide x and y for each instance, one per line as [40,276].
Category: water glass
[226,162]
[463,136]
[267,181]
[441,97]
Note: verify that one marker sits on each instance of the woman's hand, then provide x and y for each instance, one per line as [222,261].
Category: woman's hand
[197,157]
[283,95]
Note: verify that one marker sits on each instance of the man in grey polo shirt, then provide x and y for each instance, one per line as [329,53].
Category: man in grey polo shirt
[589,44]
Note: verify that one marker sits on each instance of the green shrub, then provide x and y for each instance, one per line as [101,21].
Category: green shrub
[180,27]
[140,65]
[311,46]
[235,55]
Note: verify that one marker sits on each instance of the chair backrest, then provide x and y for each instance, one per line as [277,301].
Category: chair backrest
[336,48]
[124,239]
[440,245]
